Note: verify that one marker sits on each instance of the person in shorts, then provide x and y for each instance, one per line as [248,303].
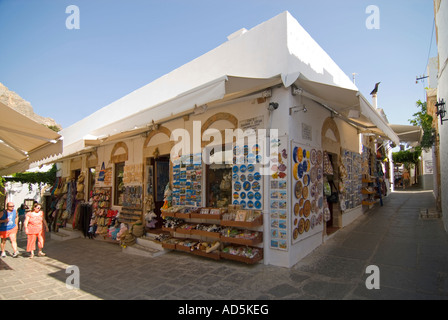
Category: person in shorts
[22,213]
[405,179]
[8,229]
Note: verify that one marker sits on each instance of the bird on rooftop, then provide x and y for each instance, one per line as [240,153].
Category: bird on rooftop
[374,91]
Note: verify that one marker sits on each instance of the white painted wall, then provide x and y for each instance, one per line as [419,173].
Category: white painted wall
[442,93]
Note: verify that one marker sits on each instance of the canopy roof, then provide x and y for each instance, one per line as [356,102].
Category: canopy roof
[277,51]
[408,134]
[23,141]
[350,105]
[279,47]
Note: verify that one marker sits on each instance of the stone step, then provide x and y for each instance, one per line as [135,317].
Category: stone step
[59,236]
[149,243]
[429,214]
[143,251]
[66,233]
[71,232]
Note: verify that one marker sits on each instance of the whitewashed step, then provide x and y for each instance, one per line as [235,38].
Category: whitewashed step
[59,236]
[143,251]
[70,232]
[149,243]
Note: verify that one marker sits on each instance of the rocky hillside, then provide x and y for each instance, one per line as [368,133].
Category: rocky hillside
[14,101]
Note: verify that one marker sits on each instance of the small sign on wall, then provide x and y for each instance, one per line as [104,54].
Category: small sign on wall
[102,173]
[307,132]
[252,123]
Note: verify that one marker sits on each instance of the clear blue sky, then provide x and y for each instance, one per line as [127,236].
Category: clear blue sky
[124,45]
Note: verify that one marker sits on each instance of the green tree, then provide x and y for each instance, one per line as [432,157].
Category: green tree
[35,177]
[424,120]
[407,157]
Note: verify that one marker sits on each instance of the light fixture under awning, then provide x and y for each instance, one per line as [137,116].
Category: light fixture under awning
[350,105]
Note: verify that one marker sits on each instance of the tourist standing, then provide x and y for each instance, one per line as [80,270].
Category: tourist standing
[35,227]
[8,229]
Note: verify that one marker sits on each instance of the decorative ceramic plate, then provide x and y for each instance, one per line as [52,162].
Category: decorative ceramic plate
[307,208]
[305,192]
[313,156]
[296,209]
[298,189]
[301,226]
[307,225]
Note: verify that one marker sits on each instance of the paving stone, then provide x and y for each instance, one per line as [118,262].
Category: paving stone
[282,290]
[412,255]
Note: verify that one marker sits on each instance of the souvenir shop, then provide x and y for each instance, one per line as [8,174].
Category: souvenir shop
[217,201]
[165,161]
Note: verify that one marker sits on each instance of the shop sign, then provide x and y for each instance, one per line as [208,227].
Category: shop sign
[102,173]
[252,123]
[307,131]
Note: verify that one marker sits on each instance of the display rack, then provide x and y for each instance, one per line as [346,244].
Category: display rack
[368,190]
[129,215]
[237,241]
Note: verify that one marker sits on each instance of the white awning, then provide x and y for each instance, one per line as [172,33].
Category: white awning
[408,134]
[219,90]
[349,105]
[23,141]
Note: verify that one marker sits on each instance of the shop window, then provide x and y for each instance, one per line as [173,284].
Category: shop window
[118,184]
[219,179]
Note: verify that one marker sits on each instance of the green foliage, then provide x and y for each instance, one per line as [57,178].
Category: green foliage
[35,177]
[424,120]
[54,128]
[2,186]
[407,157]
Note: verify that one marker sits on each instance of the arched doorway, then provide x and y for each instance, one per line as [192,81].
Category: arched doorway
[156,157]
[331,145]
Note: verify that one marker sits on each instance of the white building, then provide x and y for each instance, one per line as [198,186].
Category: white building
[441,21]
[273,76]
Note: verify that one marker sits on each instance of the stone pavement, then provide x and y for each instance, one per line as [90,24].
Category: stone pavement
[411,254]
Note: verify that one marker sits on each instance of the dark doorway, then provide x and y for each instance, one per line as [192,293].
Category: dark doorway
[158,176]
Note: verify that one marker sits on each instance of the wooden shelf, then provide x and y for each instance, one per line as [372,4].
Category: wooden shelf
[183,231]
[208,234]
[212,255]
[182,215]
[168,214]
[243,241]
[175,244]
[184,248]
[206,216]
[243,224]
[246,260]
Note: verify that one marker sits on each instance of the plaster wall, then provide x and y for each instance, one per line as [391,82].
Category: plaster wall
[442,93]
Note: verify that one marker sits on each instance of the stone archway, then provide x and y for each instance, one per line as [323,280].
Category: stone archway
[160,129]
[331,139]
[219,116]
[163,148]
[115,158]
[225,116]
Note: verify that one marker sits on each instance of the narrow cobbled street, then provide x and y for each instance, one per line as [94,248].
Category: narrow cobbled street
[411,254]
